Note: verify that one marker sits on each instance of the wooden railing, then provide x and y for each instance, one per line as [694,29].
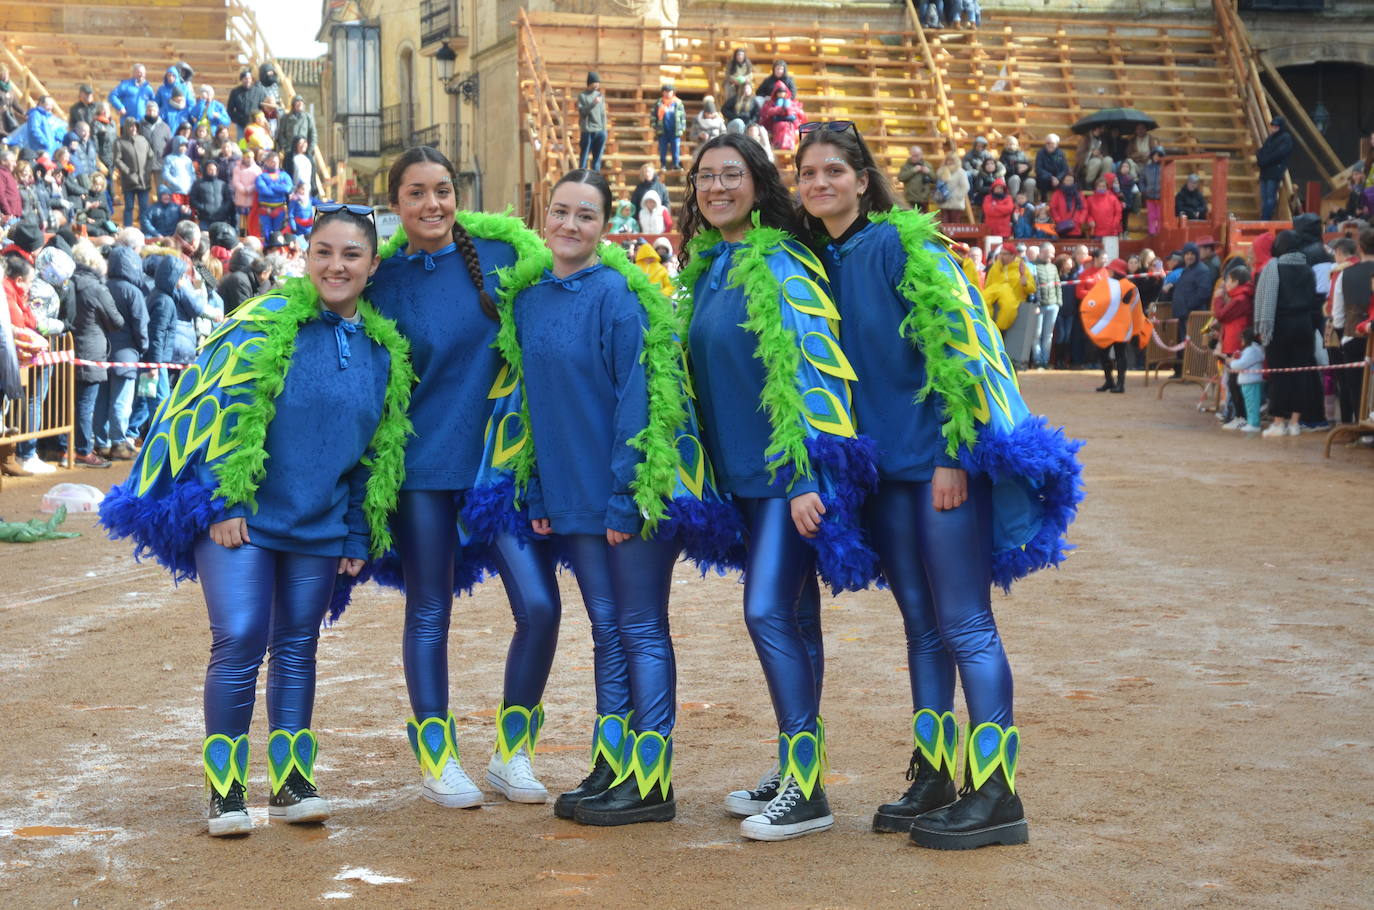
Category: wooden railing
[542,119]
[1260,105]
[244,28]
[27,81]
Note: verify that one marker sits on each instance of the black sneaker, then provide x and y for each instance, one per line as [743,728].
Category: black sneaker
[930,790]
[744,803]
[228,814]
[622,805]
[790,815]
[991,814]
[594,784]
[297,801]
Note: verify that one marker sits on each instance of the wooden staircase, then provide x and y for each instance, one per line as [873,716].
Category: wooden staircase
[1024,75]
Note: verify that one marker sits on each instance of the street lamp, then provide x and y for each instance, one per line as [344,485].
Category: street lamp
[467,87]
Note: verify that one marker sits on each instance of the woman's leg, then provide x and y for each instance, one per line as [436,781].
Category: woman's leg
[890,523]
[426,538]
[633,579]
[426,528]
[777,567]
[527,570]
[238,587]
[956,547]
[304,586]
[590,560]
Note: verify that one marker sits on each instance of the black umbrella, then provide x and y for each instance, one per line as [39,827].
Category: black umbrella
[1121,117]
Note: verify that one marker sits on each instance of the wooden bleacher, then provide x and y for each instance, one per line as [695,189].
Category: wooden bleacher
[68,43]
[1019,74]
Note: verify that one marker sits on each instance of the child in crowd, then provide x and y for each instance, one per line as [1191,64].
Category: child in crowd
[1246,369]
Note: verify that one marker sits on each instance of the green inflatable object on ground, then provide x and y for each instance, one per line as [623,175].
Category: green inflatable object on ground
[34,530]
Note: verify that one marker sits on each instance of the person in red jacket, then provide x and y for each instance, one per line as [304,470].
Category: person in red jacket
[1067,208]
[1104,210]
[1234,310]
[998,208]
[11,206]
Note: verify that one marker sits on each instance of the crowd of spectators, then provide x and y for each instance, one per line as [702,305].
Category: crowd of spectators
[151,155]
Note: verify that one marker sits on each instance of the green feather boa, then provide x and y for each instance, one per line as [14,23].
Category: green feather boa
[777,345]
[935,306]
[665,379]
[486,225]
[244,468]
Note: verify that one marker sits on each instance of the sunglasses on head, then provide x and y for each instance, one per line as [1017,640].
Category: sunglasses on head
[834,126]
[362,211]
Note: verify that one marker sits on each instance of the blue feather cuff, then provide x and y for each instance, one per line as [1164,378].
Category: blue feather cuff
[163,527]
[848,468]
[1037,485]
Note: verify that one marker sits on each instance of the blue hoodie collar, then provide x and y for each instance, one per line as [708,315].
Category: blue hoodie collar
[428,257]
[571,283]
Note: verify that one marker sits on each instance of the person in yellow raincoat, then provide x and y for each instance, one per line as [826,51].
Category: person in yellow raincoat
[1112,316]
[1008,283]
[647,258]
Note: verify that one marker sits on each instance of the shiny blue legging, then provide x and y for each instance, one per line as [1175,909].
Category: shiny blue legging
[782,611]
[626,590]
[262,600]
[939,567]
[426,526]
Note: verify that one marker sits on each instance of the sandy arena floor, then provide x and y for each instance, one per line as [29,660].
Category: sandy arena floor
[1194,697]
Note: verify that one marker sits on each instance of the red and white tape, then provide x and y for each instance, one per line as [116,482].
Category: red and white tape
[49,358]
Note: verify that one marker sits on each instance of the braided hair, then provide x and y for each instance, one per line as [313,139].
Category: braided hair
[423,154]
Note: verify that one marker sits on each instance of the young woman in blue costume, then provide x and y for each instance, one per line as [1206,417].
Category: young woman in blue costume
[270,473]
[437,281]
[973,488]
[772,387]
[596,350]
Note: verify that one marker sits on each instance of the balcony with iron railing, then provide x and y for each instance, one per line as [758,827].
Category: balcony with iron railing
[398,122]
[440,20]
[362,134]
[443,137]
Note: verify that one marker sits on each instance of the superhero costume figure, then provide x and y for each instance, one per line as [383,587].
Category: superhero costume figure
[292,418]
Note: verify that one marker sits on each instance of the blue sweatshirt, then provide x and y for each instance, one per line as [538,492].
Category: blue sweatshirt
[433,302]
[311,499]
[728,378]
[864,272]
[581,338]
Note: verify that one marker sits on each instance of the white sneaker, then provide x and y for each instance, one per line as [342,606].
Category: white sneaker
[744,803]
[453,789]
[1234,424]
[789,815]
[1249,429]
[1294,429]
[515,779]
[35,465]
[1275,429]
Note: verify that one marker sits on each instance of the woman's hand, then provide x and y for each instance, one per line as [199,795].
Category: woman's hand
[541,526]
[614,537]
[231,533]
[807,510]
[351,567]
[948,488]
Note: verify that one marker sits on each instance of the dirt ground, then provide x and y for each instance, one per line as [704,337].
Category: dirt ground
[1193,693]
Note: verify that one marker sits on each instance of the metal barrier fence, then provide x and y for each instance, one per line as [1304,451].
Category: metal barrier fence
[48,407]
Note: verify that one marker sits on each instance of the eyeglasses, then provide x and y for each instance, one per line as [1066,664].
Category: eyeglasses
[728,180]
[834,126]
[362,211]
